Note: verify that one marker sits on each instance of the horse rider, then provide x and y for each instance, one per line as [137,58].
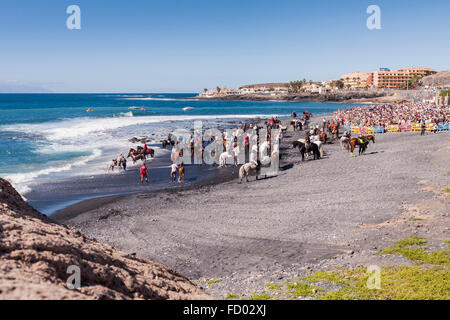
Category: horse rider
[347,134]
[308,143]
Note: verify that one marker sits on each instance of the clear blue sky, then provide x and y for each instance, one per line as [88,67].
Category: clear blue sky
[185,46]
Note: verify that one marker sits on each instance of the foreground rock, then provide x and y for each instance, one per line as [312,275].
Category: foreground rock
[35,254]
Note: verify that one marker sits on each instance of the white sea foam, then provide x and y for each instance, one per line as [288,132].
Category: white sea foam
[101,138]
[22,181]
[161,99]
[79,127]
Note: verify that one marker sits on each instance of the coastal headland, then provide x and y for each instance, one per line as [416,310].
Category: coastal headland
[347,97]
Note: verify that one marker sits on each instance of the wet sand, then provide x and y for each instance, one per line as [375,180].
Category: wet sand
[313,215]
[52,197]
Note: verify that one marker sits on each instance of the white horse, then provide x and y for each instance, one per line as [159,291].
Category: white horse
[111,165]
[224,157]
[344,142]
[251,168]
[317,142]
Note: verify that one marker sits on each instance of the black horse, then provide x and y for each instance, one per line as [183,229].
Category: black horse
[302,148]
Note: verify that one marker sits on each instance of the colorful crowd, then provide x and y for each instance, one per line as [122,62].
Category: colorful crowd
[405,115]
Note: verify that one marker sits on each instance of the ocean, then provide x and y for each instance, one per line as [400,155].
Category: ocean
[46,138]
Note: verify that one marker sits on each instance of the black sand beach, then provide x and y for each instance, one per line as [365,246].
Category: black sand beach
[337,211]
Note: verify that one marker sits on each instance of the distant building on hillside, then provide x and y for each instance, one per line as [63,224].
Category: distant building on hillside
[385,78]
[264,88]
[355,80]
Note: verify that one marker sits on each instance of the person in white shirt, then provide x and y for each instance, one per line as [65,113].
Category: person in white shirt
[173,172]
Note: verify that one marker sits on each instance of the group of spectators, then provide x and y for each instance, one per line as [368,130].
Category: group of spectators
[400,114]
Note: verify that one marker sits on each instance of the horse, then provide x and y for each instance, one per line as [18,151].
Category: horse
[165,143]
[224,157]
[133,154]
[344,141]
[149,151]
[357,142]
[302,148]
[318,143]
[335,130]
[111,165]
[250,168]
[369,138]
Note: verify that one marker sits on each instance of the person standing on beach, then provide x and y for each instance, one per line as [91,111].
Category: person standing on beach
[143,172]
[181,173]
[173,172]
[121,161]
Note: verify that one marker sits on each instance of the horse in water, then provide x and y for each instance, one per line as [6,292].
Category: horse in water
[314,148]
[149,152]
[133,154]
[362,143]
[112,164]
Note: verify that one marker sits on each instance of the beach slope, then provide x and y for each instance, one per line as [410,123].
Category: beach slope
[36,255]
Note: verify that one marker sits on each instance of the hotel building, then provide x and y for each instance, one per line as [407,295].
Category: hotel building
[385,78]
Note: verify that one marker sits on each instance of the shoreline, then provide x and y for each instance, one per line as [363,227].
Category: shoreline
[87,203]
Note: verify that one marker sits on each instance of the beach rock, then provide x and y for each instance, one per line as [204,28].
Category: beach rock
[36,253]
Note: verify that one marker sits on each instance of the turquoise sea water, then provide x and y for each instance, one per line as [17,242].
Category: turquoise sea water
[51,136]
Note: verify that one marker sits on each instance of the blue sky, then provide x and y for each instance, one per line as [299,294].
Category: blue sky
[185,46]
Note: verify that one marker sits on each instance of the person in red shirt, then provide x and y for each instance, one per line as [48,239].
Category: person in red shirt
[143,172]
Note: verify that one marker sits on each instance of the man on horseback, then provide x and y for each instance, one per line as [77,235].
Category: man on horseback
[308,144]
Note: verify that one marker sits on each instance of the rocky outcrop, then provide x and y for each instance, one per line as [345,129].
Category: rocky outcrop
[35,254]
[342,96]
[440,79]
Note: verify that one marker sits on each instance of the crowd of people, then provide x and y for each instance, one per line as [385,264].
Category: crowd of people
[398,114]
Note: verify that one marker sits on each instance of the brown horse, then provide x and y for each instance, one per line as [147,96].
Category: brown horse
[369,138]
[335,130]
[149,152]
[362,143]
[135,155]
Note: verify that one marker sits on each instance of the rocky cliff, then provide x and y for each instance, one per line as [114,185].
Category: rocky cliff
[35,254]
[440,79]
